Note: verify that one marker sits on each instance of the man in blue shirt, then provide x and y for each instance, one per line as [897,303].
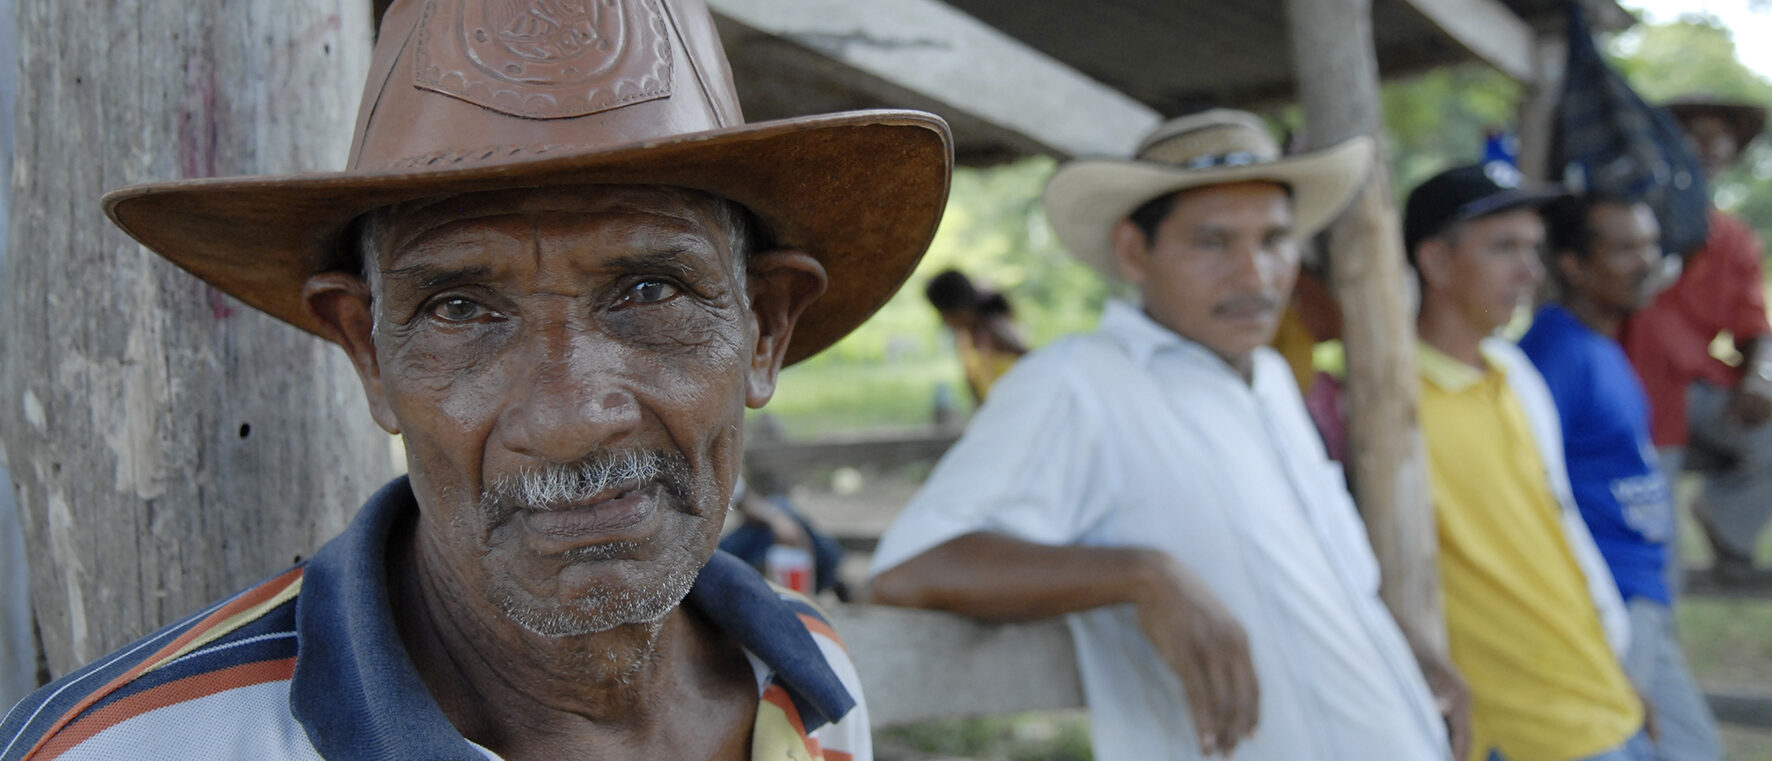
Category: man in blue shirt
[1605,256]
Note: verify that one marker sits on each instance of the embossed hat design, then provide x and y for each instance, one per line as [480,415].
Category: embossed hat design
[471,95]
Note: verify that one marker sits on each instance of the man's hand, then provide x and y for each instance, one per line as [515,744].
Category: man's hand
[1651,723]
[781,525]
[1451,696]
[1205,647]
[1751,402]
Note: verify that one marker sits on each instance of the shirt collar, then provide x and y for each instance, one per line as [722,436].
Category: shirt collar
[1450,375]
[1143,338]
[359,696]
[1557,316]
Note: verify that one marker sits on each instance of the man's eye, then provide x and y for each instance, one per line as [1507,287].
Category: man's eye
[651,292]
[458,310]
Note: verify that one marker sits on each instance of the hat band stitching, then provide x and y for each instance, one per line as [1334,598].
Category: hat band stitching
[1180,149]
[459,155]
[1212,161]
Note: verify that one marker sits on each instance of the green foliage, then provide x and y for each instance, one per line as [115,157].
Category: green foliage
[1697,55]
[1693,55]
[887,372]
[1438,119]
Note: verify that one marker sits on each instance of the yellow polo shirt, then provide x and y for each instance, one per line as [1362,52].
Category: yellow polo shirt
[1544,684]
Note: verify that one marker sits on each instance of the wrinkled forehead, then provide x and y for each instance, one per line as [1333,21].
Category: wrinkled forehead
[659,209]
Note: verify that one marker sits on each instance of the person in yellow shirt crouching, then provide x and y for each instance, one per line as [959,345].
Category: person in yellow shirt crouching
[1533,618]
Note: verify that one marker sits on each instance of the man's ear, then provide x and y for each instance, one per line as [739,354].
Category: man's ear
[1569,267]
[1131,250]
[782,284]
[341,302]
[1433,261]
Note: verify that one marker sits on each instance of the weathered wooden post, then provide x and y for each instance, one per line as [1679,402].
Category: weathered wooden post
[1550,53]
[1337,69]
[169,445]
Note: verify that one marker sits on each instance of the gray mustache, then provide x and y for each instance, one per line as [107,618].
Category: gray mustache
[557,485]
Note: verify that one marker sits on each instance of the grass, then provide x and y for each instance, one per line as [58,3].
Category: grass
[825,397]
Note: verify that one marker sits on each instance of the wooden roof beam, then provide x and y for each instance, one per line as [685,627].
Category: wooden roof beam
[1488,30]
[955,60]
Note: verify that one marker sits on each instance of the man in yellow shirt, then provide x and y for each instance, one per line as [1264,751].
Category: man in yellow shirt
[1534,620]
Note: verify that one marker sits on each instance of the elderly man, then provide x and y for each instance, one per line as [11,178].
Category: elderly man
[563,270]
[1533,618]
[1705,414]
[1605,255]
[1160,481]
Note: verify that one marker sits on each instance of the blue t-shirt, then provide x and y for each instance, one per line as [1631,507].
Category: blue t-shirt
[1613,468]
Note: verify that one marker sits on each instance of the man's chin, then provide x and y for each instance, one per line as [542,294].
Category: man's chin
[582,607]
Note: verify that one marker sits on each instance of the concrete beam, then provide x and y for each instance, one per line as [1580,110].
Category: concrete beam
[963,66]
[1488,30]
[917,665]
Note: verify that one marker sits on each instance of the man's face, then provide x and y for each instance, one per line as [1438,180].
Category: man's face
[1713,141]
[1220,268]
[1486,267]
[1618,272]
[569,368]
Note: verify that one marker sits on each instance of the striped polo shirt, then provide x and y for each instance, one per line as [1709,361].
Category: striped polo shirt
[309,665]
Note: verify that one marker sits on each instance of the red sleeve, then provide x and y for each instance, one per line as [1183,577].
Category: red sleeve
[1748,317]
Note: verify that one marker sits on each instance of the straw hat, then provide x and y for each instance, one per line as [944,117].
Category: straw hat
[1746,120]
[473,95]
[1086,197]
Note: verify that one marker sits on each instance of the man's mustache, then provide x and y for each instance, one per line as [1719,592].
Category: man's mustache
[1251,302]
[556,486]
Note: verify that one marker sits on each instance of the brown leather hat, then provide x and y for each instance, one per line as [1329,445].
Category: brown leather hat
[471,95]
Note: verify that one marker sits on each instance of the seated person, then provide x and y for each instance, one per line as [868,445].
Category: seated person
[1706,414]
[1160,481]
[770,520]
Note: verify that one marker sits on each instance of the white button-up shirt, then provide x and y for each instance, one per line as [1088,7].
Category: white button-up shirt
[1133,436]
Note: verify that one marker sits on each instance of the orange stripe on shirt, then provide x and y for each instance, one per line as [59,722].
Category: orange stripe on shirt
[245,601]
[171,693]
[778,697]
[817,626]
[838,755]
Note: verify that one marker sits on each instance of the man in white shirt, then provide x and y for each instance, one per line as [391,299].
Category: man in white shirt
[1159,480]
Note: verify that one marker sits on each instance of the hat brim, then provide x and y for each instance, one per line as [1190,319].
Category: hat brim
[860,191]
[1507,200]
[1085,198]
[1746,120]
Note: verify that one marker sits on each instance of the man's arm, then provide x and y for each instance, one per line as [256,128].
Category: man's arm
[1451,696]
[999,578]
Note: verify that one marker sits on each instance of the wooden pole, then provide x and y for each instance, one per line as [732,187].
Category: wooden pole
[1338,87]
[169,445]
[1538,109]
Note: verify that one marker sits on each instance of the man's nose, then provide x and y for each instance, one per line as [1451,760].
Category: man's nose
[572,401]
[1531,265]
[1255,268]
